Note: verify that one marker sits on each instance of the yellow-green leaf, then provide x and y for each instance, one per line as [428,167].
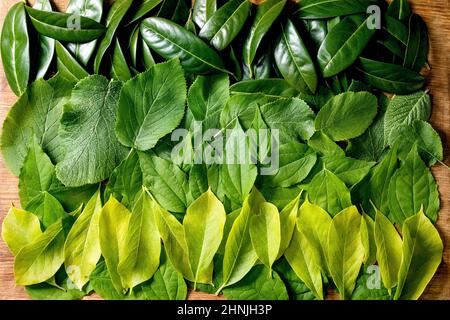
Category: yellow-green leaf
[142,249]
[19,228]
[345,250]
[82,248]
[368,240]
[389,250]
[300,256]
[288,219]
[113,226]
[314,222]
[39,260]
[422,254]
[203,227]
[265,233]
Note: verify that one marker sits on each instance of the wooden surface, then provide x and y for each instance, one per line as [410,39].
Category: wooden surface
[437,16]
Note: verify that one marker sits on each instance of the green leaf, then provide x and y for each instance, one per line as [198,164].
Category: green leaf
[343,45]
[173,235]
[46,48]
[203,10]
[368,240]
[166,284]
[240,256]
[36,113]
[40,259]
[46,291]
[347,115]
[92,9]
[389,250]
[203,228]
[319,9]
[428,142]
[15,49]
[265,234]
[329,192]
[324,146]
[292,117]
[313,223]
[272,88]
[258,284]
[266,14]
[36,175]
[65,26]
[293,60]
[82,248]
[422,254]
[207,98]
[20,228]
[296,288]
[416,53]
[156,99]
[119,65]
[166,181]
[349,170]
[345,250]
[288,220]
[101,282]
[87,133]
[225,24]
[139,259]
[198,180]
[300,255]
[296,161]
[47,208]
[390,77]
[68,65]
[404,110]
[173,41]
[113,225]
[411,188]
[115,16]
[142,9]
[369,285]
[399,9]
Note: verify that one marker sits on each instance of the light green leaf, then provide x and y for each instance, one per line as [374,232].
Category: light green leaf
[151,105]
[389,250]
[368,240]
[113,226]
[140,257]
[347,115]
[240,256]
[288,220]
[323,145]
[265,233]
[411,188]
[87,133]
[349,170]
[203,227]
[313,223]
[345,250]
[300,256]
[39,260]
[329,192]
[422,254]
[20,228]
[82,248]
[47,208]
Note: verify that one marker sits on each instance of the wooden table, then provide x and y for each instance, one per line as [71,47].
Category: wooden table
[437,16]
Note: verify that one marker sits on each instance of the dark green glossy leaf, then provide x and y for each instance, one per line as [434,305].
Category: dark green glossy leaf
[15,49]
[272,88]
[65,26]
[46,45]
[294,61]
[266,14]
[68,65]
[225,23]
[115,16]
[417,45]
[119,66]
[142,9]
[343,45]
[203,10]
[318,9]
[400,10]
[390,77]
[173,41]
[317,31]
[92,9]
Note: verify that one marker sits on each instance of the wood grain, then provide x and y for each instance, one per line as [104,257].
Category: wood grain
[437,16]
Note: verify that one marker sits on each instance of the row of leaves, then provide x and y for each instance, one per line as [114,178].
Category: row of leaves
[341,42]
[315,245]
